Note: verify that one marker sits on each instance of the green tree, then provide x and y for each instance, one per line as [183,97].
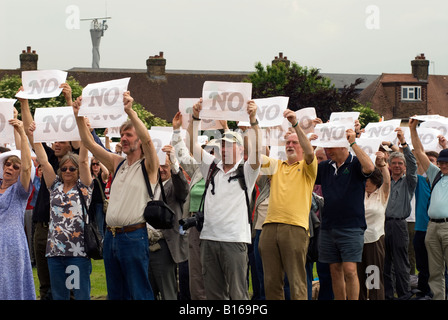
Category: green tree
[148,118]
[305,87]
[367,114]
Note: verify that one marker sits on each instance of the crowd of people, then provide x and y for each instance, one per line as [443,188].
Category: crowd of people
[239,213]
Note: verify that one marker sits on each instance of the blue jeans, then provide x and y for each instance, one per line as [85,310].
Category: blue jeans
[70,273]
[126,260]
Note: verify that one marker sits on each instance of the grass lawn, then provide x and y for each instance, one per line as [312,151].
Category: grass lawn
[97,280]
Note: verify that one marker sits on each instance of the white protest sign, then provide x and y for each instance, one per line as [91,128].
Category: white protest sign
[384,130]
[428,138]
[113,132]
[105,120]
[336,116]
[427,117]
[440,124]
[186,109]
[370,146]
[305,117]
[270,111]
[332,134]
[6,113]
[103,98]
[55,124]
[277,152]
[274,136]
[161,138]
[225,100]
[41,84]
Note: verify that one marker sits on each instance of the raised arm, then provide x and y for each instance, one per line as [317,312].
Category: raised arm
[151,158]
[419,152]
[25,168]
[84,170]
[27,117]
[192,137]
[381,163]
[109,159]
[254,145]
[308,151]
[366,163]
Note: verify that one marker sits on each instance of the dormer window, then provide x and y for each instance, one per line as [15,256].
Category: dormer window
[411,93]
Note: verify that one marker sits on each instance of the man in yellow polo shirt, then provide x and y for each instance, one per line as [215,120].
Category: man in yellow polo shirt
[285,235]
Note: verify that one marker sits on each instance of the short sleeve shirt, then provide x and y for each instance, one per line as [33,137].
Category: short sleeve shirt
[343,189]
[439,195]
[66,228]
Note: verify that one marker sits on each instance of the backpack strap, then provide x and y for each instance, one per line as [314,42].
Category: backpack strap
[436,179]
[242,181]
[211,174]
[148,186]
[434,182]
[115,173]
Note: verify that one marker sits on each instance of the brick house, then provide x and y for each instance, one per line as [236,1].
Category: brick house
[400,96]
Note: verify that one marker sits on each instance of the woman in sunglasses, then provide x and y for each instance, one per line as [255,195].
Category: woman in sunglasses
[65,244]
[16,275]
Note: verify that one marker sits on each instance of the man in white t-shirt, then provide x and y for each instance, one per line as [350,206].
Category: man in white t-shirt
[226,230]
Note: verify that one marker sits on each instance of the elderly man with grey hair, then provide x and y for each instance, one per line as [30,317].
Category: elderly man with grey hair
[403,166]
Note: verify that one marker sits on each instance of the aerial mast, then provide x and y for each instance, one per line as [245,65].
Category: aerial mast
[96,32]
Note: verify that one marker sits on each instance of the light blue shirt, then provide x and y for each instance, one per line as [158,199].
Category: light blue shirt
[439,197]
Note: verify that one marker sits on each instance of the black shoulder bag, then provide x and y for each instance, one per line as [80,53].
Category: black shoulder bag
[93,242]
[157,212]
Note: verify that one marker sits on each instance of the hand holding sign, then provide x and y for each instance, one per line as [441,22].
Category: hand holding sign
[380,160]
[252,111]
[291,116]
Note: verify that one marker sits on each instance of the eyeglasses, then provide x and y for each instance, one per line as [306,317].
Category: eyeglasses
[15,166]
[71,169]
[95,163]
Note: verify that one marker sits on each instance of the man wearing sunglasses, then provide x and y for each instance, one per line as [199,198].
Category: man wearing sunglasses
[126,251]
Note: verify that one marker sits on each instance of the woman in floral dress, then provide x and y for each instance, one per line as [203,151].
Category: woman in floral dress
[16,275]
[68,263]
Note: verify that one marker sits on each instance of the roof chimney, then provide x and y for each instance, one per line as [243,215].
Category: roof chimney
[420,67]
[280,58]
[156,66]
[28,59]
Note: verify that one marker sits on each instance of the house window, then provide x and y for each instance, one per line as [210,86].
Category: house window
[410,93]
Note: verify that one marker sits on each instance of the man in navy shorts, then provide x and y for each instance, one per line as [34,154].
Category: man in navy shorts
[343,222]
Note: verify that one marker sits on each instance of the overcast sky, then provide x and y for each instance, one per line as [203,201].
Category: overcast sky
[336,36]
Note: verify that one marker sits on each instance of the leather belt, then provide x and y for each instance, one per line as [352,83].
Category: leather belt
[439,220]
[125,229]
